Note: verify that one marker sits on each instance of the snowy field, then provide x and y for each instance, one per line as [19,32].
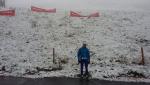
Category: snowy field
[114,39]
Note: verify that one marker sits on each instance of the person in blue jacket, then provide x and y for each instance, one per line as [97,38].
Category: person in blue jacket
[83,59]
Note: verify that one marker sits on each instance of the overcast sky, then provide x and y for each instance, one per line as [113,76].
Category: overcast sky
[83,4]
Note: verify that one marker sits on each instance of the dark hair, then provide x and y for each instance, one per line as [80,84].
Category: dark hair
[84,45]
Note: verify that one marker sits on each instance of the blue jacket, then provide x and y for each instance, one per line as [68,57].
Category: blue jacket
[83,53]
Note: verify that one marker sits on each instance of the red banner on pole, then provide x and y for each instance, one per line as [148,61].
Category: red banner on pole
[7,12]
[74,14]
[37,9]
[94,15]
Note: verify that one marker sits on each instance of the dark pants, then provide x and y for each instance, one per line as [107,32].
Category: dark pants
[82,64]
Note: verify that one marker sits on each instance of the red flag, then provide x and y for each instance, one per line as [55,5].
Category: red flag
[37,9]
[94,15]
[7,12]
[74,14]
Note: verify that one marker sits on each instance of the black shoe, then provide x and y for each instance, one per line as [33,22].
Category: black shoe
[86,74]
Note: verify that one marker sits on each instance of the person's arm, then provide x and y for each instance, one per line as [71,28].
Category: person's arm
[88,56]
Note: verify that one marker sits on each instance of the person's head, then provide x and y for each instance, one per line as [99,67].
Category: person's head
[84,45]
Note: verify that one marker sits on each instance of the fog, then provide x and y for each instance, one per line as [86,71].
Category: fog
[83,4]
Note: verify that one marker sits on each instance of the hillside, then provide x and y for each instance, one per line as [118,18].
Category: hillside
[114,39]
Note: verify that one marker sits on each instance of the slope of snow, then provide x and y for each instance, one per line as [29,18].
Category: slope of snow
[114,39]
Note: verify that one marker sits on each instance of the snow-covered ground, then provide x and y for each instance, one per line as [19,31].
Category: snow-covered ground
[114,39]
